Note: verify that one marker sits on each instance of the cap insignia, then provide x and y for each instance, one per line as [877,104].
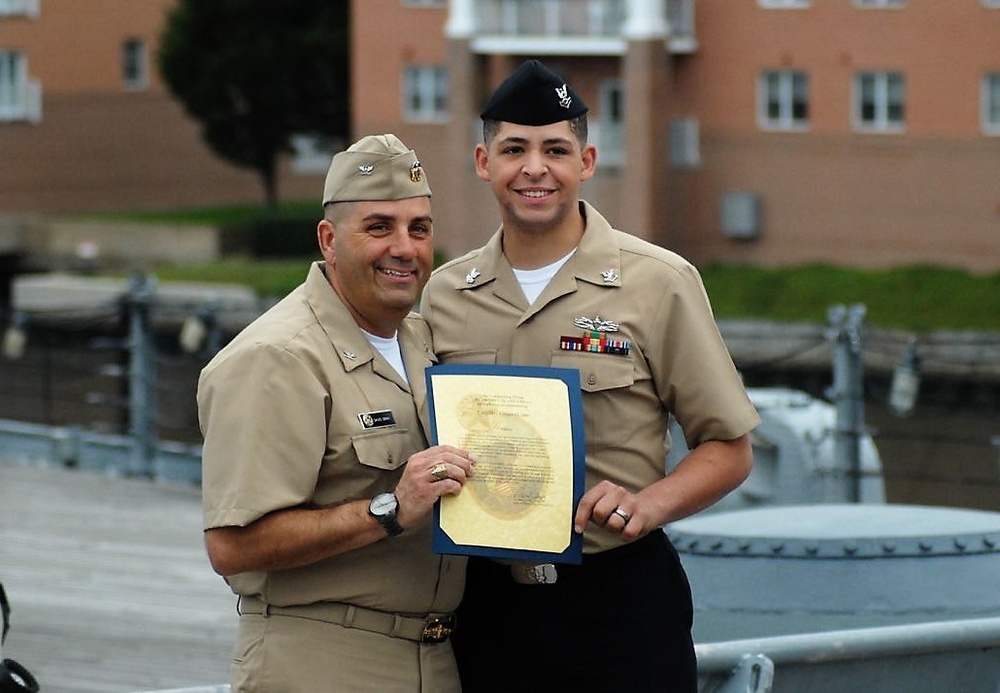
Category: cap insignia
[366,169]
[416,173]
[564,97]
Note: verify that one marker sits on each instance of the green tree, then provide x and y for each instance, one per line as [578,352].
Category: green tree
[254,73]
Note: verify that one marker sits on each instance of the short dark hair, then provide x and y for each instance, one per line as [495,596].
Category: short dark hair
[578,125]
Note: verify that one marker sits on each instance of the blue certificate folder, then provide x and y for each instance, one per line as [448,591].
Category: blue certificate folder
[573,553]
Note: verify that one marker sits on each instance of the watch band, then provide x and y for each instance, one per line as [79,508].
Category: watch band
[383,508]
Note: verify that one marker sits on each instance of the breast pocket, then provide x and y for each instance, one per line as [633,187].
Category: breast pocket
[477,357]
[604,380]
[386,450]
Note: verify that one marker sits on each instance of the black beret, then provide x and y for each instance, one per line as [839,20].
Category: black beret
[533,95]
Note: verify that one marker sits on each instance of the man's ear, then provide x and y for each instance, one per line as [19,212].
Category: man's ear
[589,158]
[325,232]
[481,157]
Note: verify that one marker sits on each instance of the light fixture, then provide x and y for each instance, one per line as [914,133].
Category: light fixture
[15,337]
[905,381]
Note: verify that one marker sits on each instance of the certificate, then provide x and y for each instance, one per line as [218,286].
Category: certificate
[525,426]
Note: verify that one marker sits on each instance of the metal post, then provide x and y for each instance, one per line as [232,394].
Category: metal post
[142,378]
[847,393]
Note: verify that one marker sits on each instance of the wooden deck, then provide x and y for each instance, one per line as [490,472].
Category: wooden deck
[109,584]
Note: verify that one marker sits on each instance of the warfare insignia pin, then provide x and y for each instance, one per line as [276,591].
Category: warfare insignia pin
[596,324]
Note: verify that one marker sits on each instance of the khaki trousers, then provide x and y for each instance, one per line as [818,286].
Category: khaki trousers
[286,654]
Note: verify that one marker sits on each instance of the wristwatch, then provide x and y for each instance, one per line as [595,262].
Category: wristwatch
[383,508]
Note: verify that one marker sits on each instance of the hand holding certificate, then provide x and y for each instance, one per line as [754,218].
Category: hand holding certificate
[524,424]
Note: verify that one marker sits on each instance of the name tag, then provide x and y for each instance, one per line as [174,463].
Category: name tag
[376,419]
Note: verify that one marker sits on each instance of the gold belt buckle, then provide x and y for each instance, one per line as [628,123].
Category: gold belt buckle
[437,630]
[539,574]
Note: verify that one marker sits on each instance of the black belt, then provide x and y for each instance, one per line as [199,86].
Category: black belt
[429,630]
[549,573]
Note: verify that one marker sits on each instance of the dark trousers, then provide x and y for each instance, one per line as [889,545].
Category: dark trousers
[619,622]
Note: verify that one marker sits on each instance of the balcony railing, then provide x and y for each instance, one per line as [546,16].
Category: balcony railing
[586,27]
[554,18]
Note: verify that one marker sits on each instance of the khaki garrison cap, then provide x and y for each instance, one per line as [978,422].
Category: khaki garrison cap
[534,95]
[376,167]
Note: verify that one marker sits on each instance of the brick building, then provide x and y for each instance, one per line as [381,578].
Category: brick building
[87,124]
[767,132]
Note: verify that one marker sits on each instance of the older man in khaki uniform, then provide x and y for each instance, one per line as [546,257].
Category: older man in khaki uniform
[558,286]
[317,478]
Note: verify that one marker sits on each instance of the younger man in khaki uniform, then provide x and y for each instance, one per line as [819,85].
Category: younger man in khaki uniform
[558,286]
[317,485]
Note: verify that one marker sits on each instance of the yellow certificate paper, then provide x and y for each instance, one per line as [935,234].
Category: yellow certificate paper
[525,426]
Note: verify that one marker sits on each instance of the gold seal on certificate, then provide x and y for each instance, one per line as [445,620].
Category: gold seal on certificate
[524,426]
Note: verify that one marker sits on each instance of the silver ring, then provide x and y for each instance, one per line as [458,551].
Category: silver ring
[439,471]
[622,514]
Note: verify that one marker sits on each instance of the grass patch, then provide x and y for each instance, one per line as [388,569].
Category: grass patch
[268,278]
[918,298]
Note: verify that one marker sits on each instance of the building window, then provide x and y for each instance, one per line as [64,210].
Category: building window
[783,100]
[607,130]
[992,3]
[20,97]
[311,153]
[135,65]
[685,144]
[991,103]
[425,93]
[879,4]
[783,4]
[19,8]
[425,3]
[879,102]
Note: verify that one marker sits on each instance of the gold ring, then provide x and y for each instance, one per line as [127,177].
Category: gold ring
[439,471]
[622,514]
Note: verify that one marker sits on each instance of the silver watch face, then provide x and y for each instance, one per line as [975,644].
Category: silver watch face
[383,504]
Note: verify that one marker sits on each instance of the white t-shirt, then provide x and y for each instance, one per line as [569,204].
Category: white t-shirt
[533,282]
[389,348]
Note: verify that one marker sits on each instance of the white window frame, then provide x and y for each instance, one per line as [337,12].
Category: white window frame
[990,103]
[429,4]
[783,87]
[880,4]
[20,97]
[784,4]
[425,93]
[135,64]
[882,83]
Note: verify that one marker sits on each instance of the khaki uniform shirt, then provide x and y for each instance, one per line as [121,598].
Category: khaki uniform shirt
[300,409]
[677,362]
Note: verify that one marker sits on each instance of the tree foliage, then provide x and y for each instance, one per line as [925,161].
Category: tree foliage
[256,72]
